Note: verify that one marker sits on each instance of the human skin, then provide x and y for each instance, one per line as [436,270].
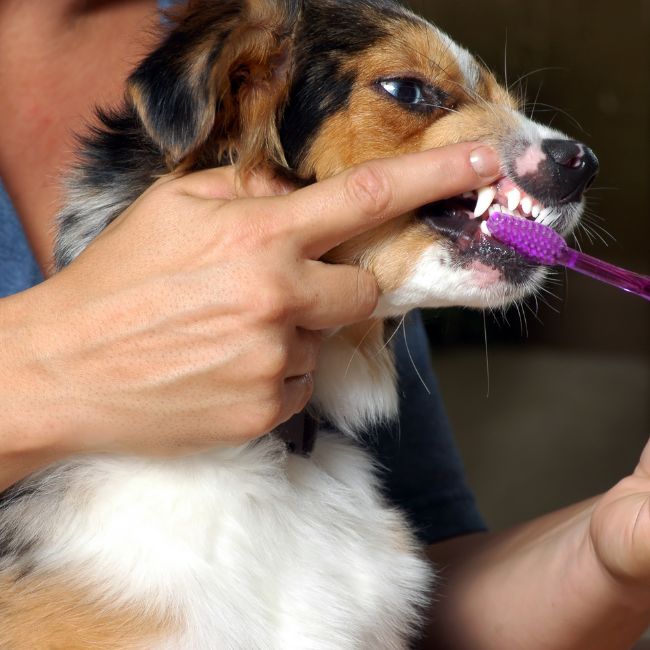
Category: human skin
[205,334]
[574,579]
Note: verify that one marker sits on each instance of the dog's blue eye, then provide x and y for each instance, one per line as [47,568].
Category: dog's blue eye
[413,94]
[405,91]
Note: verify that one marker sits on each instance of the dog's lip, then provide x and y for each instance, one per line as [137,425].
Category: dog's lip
[454,220]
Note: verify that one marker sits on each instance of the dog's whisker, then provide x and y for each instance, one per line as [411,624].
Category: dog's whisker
[408,350]
[505,58]
[533,311]
[392,336]
[539,90]
[518,80]
[355,352]
[487,358]
[566,114]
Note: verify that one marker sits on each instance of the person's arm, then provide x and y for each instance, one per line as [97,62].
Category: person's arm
[575,579]
[165,339]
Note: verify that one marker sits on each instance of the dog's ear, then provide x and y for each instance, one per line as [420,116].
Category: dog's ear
[220,79]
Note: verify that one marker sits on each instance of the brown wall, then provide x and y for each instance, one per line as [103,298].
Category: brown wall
[599,58]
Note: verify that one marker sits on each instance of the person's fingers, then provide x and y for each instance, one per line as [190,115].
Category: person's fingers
[335,295]
[331,211]
[304,350]
[225,183]
[296,394]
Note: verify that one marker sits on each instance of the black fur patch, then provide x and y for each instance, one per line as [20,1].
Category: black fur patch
[117,162]
[331,33]
[12,543]
[121,149]
[175,104]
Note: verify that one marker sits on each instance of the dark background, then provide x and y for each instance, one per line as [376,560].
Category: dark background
[567,412]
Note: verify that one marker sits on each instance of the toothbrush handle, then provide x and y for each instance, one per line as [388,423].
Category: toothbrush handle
[599,270]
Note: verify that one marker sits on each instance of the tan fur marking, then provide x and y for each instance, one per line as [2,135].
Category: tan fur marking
[389,251]
[372,126]
[47,612]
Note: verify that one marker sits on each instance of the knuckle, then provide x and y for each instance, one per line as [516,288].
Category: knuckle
[273,365]
[369,187]
[272,303]
[243,234]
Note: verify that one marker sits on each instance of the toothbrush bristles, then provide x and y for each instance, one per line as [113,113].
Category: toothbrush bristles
[532,240]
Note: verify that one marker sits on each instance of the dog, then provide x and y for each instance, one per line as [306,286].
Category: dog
[254,546]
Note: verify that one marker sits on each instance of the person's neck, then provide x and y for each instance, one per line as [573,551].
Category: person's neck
[59,59]
[58,14]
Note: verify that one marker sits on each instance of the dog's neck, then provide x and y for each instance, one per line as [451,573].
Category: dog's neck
[355,384]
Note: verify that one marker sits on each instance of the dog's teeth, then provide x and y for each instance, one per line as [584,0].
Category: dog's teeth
[484,228]
[526,205]
[514,196]
[495,207]
[537,208]
[485,197]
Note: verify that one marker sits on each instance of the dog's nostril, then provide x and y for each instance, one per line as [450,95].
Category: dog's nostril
[575,162]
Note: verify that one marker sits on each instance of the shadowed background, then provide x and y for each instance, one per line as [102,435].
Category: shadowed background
[567,412]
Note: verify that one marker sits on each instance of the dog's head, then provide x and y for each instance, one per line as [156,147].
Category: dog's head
[308,88]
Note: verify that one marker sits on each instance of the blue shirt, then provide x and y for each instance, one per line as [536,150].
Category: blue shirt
[18,268]
[422,471]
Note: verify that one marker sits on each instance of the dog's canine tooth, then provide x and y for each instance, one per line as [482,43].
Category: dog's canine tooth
[514,196]
[485,197]
[526,205]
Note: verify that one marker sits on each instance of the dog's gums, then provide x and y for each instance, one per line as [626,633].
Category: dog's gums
[462,220]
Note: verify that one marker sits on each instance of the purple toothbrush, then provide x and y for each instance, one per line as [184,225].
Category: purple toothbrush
[542,245]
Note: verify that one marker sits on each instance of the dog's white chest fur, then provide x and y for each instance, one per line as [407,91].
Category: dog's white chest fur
[252,547]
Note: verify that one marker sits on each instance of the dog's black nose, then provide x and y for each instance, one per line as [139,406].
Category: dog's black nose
[564,170]
[575,167]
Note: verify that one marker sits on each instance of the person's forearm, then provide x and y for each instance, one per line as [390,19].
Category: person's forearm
[538,587]
[28,423]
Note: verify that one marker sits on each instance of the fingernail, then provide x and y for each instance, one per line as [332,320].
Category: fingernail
[485,161]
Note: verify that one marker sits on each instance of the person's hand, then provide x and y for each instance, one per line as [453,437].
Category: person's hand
[194,318]
[620,531]
[586,569]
